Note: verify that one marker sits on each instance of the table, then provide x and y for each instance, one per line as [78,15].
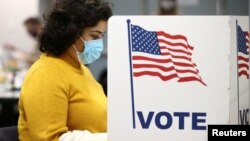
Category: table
[9,108]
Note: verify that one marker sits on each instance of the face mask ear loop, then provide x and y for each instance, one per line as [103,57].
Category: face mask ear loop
[76,53]
[75,47]
[82,39]
[83,42]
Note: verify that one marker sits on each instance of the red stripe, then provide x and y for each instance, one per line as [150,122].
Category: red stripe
[247,41]
[186,65]
[151,59]
[176,50]
[165,53]
[187,79]
[181,57]
[247,34]
[243,66]
[173,44]
[164,78]
[187,71]
[183,64]
[244,73]
[161,33]
[165,69]
[243,58]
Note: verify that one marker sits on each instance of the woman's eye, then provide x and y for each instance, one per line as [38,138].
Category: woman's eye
[95,37]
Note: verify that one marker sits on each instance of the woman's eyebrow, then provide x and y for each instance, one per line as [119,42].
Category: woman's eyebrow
[102,33]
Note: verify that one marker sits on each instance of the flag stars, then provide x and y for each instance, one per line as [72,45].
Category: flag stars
[144,41]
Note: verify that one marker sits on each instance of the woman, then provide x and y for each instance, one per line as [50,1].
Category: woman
[59,94]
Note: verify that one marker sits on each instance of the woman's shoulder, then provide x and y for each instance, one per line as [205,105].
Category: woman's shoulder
[86,70]
[44,67]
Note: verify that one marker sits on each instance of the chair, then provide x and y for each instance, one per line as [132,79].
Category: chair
[8,133]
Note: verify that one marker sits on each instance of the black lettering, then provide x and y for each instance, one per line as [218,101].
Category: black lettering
[247,117]
[244,116]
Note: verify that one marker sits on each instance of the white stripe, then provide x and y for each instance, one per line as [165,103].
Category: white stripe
[243,62]
[181,75]
[186,68]
[175,47]
[162,57]
[177,53]
[169,64]
[243,69]
[173,40]
[152,55]
[182,60]
[188,74]
[166,65]
[164,73]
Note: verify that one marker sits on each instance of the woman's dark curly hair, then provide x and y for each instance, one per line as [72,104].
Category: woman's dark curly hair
[67,20]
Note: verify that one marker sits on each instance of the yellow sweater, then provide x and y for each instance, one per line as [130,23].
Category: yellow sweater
[56,98]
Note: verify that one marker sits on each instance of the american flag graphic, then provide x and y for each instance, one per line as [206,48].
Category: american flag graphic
[162,55]
[243,52]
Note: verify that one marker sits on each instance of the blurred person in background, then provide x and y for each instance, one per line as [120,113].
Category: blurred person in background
[15,61]
[168,7]
[60,99]
[33,27]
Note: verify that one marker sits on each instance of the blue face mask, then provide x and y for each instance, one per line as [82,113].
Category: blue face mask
[92,51]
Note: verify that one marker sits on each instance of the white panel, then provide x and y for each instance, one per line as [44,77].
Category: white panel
[210,37]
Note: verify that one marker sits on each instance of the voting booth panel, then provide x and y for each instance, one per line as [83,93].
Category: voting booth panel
[171,76]
[239,87]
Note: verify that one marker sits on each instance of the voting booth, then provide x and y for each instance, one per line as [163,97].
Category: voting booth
[169,77]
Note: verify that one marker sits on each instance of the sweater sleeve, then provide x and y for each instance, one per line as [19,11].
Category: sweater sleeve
[45,103]
[85,135]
